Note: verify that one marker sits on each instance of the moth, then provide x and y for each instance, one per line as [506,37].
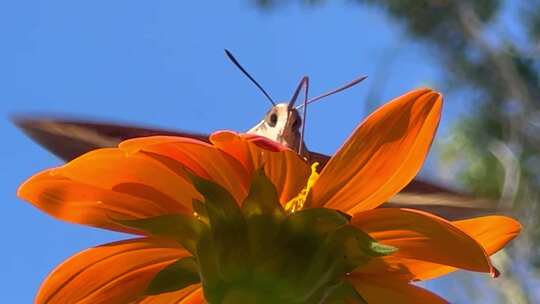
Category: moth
[70,138]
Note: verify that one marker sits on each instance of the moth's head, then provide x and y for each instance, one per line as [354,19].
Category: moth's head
[281,124]
[283,119]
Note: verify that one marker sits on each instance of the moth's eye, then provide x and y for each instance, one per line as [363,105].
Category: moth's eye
[296,124]
[272,121]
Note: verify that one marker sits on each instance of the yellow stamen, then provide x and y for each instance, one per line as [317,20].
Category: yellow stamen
[297,203]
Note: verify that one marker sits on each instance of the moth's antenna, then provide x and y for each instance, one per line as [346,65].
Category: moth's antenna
[237,64]
[348,85]
[304,119]
[304,82]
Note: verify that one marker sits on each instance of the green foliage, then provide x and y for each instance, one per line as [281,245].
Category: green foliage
[482,173]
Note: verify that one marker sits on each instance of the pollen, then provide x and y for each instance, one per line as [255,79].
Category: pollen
[297,203]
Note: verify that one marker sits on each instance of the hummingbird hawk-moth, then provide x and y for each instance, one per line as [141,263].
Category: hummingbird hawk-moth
[69,138]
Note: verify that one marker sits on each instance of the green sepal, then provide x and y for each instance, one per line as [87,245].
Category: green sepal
[382,249]
[259,253]
[301,235]
[219,205]
[183,228]
[210,273]
[297,251]
[309,231]
[200,212]
[228,231]
[318,221]
[342,293]
[264,214]
[176,276]
[356,247]
[262,198]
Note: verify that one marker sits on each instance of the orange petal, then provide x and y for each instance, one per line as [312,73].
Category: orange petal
[80,203]
[201,158]
[403,269]
[189,295]
[492,232]
[109,184]
[113,273]
[380,290]
[287,171]
[113,168]
[382,156]
[419,236]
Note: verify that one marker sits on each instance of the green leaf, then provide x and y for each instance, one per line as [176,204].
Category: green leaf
[176,276]
[183,228]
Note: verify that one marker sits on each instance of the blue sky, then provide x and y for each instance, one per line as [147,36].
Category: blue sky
[161,63]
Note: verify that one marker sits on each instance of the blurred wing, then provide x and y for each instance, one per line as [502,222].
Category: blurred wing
[426,196]
[322,159]
[68,139]
[441,201]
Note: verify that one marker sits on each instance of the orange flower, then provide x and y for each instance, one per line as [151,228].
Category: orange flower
[254,223]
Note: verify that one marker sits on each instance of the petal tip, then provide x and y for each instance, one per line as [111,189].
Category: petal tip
[494,272]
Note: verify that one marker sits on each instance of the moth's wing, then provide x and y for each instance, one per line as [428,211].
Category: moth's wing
[322,159]
[447,203]
[426,196]
[69,138]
